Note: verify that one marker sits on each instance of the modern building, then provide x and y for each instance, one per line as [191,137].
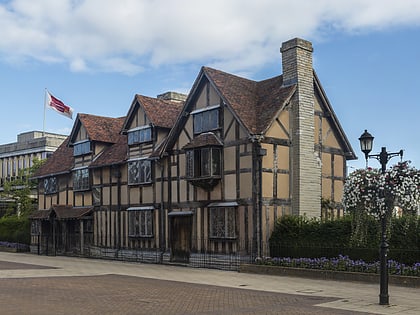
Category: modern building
[211,173]
[17,156]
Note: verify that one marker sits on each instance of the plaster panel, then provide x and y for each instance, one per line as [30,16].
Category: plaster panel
[229,158]
[283,186]
[267,185]
[246,185]
[230,186]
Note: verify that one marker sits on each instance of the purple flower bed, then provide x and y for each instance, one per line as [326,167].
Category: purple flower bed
[342,263]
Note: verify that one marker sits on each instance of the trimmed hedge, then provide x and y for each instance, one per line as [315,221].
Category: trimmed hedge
[298,237]
[15,230]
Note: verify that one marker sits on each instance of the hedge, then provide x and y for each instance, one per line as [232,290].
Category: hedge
[14,229]
[298,237]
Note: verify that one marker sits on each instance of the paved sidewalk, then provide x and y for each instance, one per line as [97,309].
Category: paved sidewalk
[350,296]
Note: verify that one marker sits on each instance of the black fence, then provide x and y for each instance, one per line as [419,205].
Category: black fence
[214,254]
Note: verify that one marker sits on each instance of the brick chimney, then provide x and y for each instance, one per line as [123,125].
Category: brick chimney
[172,96]
[305,169]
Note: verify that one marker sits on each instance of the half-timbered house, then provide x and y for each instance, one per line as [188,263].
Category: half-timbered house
[209,173]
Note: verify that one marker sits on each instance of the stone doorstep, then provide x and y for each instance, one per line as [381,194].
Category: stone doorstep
[404,281]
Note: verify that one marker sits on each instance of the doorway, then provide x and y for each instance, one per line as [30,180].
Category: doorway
[181,233]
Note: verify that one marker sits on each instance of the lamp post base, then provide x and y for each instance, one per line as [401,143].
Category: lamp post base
[383,299]
[383,290]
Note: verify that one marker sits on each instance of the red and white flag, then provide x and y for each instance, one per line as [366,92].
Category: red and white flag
[58,106]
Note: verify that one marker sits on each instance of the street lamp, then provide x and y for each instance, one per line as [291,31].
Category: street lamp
[366,144]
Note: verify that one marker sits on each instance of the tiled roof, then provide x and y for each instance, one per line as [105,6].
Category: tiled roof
[62,212]
[204,139]
[115,154]
[102,129]
[60,162]
[255,103]
[160,112]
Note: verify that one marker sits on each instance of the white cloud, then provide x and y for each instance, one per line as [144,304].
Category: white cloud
[127,36]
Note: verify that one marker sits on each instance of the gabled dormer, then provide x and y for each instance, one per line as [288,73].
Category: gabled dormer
[90,137]
[147,125]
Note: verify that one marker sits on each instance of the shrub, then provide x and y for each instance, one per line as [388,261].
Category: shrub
[298,237]
[15,229]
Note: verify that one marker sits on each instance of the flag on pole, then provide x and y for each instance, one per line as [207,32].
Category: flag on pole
[58,106]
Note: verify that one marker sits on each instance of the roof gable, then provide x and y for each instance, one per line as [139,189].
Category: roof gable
[333,120]
[98,128]
[254,103]
[160,113]
[115,154]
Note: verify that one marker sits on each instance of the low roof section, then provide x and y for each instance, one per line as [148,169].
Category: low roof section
[61,212]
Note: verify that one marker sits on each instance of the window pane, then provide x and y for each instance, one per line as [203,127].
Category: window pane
[215,161]
[205,162]
[81,179]
[214,119]
[189,155]
[217,224]
[132,223]
[133,172]
[222,222]
[230,222]
[130,138]
[142,221]
[146,176]
[205,121]
[198,123]
[147,134]
[149,231]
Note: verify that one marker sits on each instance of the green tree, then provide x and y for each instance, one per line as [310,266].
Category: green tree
[19,190]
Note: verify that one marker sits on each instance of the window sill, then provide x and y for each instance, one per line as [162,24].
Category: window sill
[140,184]
[141,236]
[81,189]
[224,239]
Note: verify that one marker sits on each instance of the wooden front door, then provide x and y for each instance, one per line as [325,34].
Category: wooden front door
[181,228]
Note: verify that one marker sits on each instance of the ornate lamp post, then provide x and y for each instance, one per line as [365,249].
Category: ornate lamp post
[366,144]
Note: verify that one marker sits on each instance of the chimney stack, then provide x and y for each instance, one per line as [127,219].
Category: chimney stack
[304,160]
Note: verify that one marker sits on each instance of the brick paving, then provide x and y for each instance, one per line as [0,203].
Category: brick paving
[118,294]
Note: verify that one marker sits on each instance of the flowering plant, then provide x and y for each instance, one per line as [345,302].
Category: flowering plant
[342,263]
[377,194]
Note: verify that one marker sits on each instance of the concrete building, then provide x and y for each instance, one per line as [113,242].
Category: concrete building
[17,156]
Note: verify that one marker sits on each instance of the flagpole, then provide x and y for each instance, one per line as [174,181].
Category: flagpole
[45,102]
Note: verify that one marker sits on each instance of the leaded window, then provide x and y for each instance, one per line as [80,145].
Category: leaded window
[140,171]
[140,222]
[81,148]
[222,222]
[139,135]
[206,120]
[81,179]
[203,162]
[50,185]
[35,227]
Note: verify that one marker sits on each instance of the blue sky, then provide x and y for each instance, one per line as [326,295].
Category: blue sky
[95,55]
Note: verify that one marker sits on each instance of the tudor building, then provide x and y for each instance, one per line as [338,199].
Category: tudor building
[207,173]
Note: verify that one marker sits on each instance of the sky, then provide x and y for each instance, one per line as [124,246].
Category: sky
[95,55]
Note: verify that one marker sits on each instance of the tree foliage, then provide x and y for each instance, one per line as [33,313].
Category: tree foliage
[18,191]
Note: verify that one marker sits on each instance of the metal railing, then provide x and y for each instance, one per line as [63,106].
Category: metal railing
[226,257]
